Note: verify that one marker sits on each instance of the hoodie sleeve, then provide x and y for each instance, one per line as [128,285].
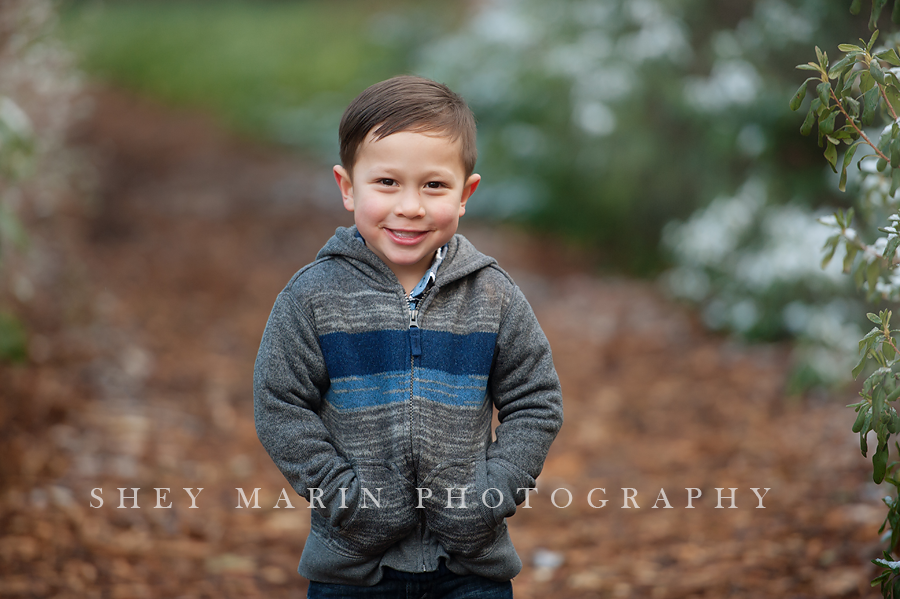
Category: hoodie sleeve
[528,398]
[289,380]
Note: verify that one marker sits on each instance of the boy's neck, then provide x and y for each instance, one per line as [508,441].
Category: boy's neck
[410,276]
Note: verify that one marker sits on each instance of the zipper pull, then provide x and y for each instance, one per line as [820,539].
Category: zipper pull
[415,339]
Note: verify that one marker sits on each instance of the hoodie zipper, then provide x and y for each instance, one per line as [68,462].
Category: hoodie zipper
[415,346]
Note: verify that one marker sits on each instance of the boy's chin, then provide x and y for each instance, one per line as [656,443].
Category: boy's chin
[412,262]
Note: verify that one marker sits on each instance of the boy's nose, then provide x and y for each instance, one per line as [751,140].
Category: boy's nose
[409,205]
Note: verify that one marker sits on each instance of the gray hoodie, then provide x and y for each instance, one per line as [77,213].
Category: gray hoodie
[382,419]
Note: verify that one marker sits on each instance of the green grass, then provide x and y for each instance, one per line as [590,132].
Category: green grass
[242,61]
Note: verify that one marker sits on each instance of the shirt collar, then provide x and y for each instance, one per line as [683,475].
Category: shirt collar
[429,276]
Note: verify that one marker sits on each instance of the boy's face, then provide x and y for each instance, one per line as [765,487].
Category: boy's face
[407,193]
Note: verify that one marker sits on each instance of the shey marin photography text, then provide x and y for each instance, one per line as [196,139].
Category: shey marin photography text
[453,498]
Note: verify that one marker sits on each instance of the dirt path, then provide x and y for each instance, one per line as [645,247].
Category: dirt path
[147,384]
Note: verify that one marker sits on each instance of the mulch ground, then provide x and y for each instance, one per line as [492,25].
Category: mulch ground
[154,294]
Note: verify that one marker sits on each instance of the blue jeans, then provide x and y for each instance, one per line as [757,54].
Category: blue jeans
[441,584]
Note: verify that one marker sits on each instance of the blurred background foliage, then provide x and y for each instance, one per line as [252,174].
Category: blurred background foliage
[599,119]
[615,124]
[39,84]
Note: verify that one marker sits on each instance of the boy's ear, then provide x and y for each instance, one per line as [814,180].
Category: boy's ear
[345,183]
[468,189]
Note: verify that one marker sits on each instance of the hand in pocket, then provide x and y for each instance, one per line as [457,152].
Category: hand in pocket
[383,510]
[462,521]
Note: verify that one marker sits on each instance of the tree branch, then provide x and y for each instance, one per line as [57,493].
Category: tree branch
[853,124]
[868,249]
[886,101]
[890,340]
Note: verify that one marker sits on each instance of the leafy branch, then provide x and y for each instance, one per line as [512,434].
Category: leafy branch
[861,81]
[860,87]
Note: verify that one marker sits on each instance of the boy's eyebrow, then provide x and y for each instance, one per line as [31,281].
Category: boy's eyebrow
[388,170]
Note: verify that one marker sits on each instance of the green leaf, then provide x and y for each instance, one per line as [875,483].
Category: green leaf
[877,72]
[845,133]
[870,382]
[860,420]
[824,92]
[895,14]
[822,58]
[809,121]
[860,365]
[810,66]
[848,158]
[851,105]
[893,395]
[829,248]
[895,151]
[850,48]
[890,249]
[884,140]
[797,100]
[839,83]
[874,318]
[888,351]
[848,83]
[866,82]
[870,105]
[882,576]
[844,219]
[879,463]
[890,55]
[863,445]
[842,65]
[831,153]
[895,181]
[826,125]
[849,256]
[869,339]
[872,272]
[891,79]
[877,5]
[855,7]
[878,402]
[893,94]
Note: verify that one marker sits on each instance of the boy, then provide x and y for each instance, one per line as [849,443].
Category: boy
[382,361]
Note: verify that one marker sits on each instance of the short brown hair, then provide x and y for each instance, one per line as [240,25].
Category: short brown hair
[407,103]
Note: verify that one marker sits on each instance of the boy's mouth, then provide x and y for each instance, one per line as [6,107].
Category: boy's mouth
[405,236]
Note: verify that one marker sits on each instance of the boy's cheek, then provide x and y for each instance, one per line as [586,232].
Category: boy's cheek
[449,215]
[372,209]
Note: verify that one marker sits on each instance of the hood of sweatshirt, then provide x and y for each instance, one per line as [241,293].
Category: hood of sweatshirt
[461,260]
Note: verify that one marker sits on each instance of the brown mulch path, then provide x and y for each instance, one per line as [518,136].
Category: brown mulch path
[140,378]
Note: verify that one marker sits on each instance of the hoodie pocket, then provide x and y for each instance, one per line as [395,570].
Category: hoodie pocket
[383,504]
[458,512]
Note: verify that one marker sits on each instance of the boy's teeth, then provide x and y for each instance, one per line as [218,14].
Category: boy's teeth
[409,234]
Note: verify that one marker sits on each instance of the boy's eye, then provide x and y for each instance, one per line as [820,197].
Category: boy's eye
[387,182]
[434,185]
